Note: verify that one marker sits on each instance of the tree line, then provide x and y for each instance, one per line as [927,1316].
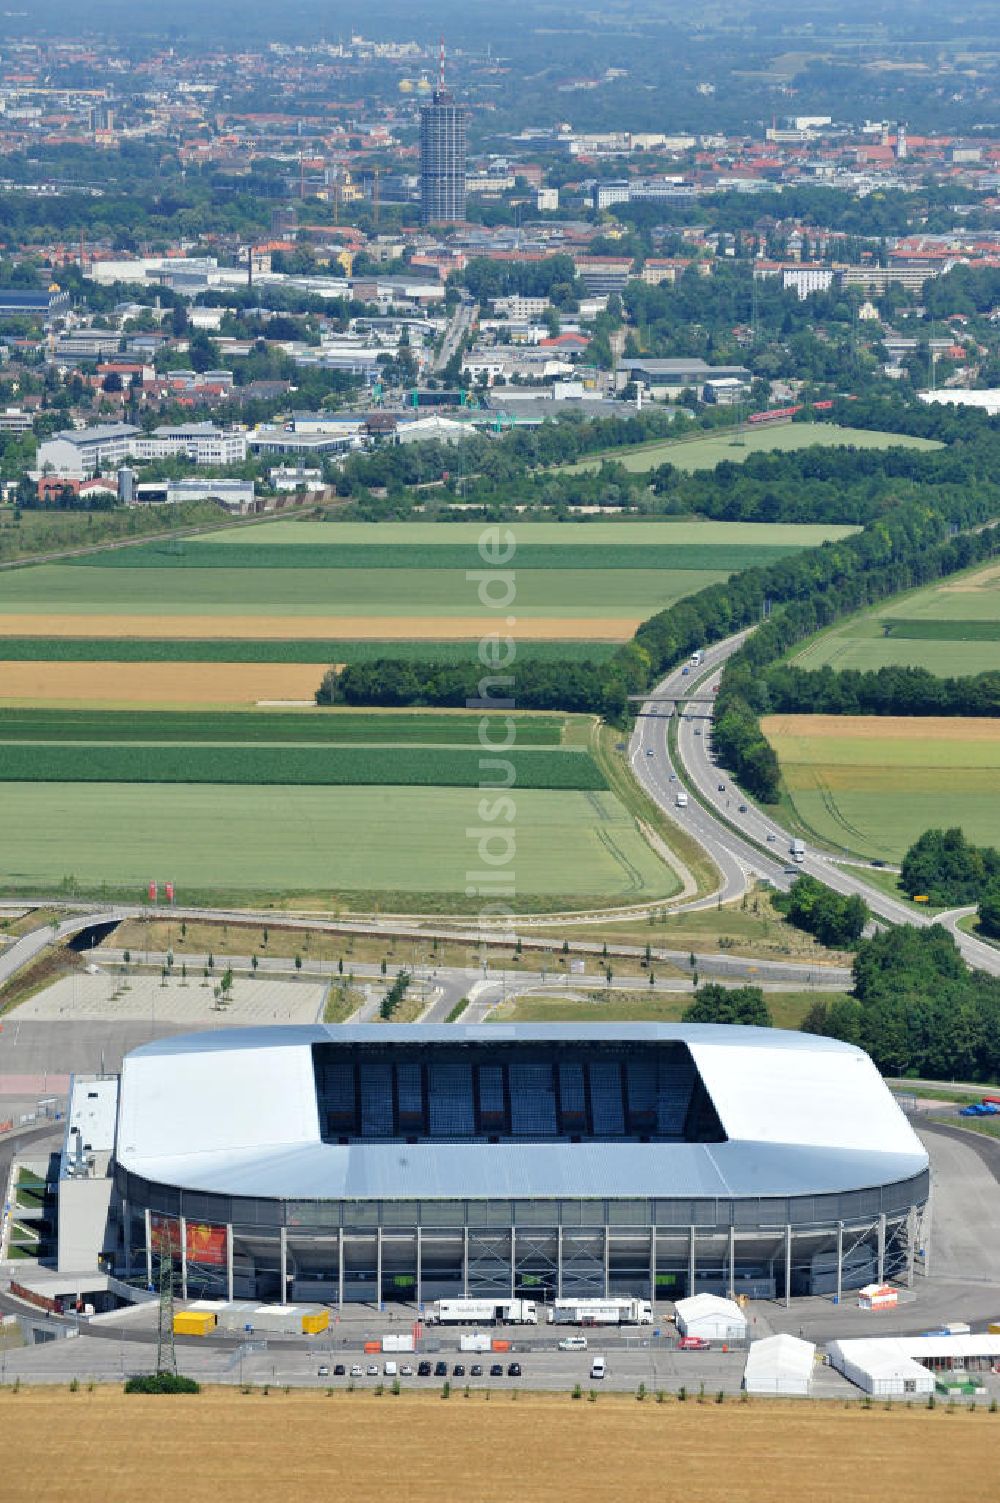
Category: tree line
[916,1008]
[831,917]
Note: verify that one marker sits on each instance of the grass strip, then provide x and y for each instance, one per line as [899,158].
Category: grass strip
[454,767]
[246,727]
[177,554]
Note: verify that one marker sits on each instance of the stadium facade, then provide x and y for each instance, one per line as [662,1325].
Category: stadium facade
[382,1163]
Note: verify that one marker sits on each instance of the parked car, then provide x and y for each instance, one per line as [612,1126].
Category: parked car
[476,1370]
[406,1371]
[458,1371]
[391,1370]
[423,1370]
[357,1371]
[440,1369]
[323,1371]
[373,1369]
[693,1344]
[573,1344]
[513,1369]
[496,1370]
[338,1371]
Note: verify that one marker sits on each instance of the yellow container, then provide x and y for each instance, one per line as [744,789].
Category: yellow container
[318,1321]
[994,1328]
[193,1322]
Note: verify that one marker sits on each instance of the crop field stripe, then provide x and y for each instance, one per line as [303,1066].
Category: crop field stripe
[618,556]
[247,727]
[454,767]
[275,650]
[943,630]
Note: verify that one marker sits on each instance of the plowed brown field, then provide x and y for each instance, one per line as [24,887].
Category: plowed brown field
[165,684]
[330,628]
[222,1446]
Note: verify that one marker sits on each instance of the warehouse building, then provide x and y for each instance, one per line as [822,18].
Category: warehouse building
[372,1163]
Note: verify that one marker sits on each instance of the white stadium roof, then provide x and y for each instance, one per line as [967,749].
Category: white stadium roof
[234,1111]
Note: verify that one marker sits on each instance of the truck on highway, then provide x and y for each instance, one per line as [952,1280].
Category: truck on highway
[483,1312]
[696,657]
[797,850]
[600,1312]
[681,801]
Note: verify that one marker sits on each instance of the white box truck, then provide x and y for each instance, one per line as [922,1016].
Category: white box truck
[483,1312]
[681,801]
[601,1312]
[797,850]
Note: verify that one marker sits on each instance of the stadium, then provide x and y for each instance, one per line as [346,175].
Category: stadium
[380,1163]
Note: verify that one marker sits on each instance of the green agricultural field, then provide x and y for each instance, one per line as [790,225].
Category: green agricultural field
[869,785]
[270,728]
[577,594]
[424,766]
[705,453]
[276,650]
[951,628]
[356,846]
[663,532]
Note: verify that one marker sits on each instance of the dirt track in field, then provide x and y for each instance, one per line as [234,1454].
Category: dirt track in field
[883,727]
[223,1446]
[157,683]
[328,628]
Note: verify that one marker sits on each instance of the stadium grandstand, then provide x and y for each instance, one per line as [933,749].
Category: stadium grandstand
[381,1163]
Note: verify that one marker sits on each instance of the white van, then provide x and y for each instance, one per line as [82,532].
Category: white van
[681,801]
[598,1368]
[573,1344]
[390,1369]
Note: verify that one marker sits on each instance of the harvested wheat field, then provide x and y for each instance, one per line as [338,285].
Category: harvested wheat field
[104,1447]
[323,628]
[960,730]
[161,684]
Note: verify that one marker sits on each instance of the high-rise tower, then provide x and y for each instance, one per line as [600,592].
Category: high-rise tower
[442,156]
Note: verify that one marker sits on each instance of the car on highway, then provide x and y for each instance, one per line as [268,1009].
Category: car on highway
[673,777]
[685,672]
[496,1370]
[771,837]
[357,1371]
[743,808]
[722,788]
[513,1369]
[693,1344]
[649,751]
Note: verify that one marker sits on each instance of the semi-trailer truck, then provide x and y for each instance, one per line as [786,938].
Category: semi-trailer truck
[480,1312]
[797,850]
[600,1312]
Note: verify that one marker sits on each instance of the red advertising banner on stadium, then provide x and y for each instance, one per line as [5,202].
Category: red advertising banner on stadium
[169,890]
[152,892]
[205,1243]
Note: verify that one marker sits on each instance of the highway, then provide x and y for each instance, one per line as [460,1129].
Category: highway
[744,840]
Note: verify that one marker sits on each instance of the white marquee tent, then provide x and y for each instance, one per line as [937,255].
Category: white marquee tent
[712,1317]
[781,1365]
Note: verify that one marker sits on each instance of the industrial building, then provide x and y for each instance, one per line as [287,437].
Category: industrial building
[368,1163]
